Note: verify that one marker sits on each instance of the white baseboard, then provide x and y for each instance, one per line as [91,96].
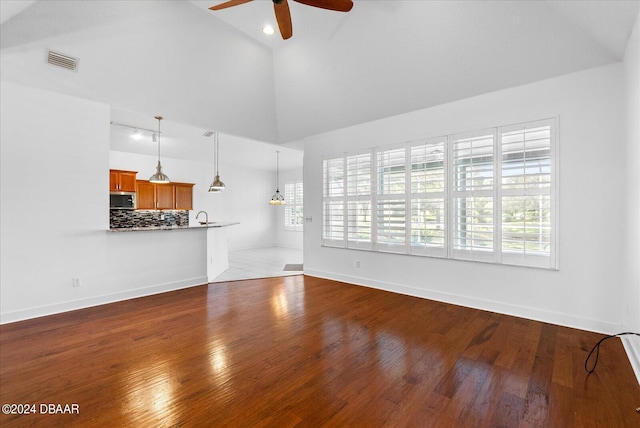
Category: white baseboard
[631,345]
[24,314]
[475,303]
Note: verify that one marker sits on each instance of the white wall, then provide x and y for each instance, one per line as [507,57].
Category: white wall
[632,227]
[287,238]
[54,214]
[587,291]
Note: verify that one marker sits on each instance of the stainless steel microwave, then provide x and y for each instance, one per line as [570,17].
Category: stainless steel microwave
[122,200]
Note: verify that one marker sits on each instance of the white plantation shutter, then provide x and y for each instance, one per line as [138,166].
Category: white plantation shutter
[391,224]
[391,203]
[527,194]
[359,201]
[333,178]
[427,198]
[293,214]
[472,166]
[333,206]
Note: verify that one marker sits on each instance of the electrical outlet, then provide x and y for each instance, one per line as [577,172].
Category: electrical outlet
[308,219]
[357,263]
[75,282]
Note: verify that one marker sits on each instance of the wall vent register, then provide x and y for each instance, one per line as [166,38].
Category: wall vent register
[60,60]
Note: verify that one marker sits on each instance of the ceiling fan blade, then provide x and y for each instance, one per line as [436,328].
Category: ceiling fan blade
[283,16]
[228,4]
[339,5]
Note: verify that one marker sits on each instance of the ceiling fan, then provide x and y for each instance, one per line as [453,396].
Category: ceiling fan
[283,16]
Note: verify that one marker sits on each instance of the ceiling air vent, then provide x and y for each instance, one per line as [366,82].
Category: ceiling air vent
[63,61]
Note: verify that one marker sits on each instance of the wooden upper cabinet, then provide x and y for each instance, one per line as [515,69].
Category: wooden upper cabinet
[183,196]
[165,196]
[170,196]
[145,195]
[122,181]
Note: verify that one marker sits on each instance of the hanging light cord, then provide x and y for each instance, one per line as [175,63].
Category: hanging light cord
[596,348]
[278,171]
[217,155]
[159,119]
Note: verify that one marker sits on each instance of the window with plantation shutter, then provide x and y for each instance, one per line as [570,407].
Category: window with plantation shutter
[428,199]
[333,205]
[472,194]
[359,197]
[526,191]
[391,205]
[483,196]
[333,173]
[293,214]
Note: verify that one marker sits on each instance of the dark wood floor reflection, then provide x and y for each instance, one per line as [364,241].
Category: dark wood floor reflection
[302,351]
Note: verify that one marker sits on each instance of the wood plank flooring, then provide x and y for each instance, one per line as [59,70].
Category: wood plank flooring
[303,351]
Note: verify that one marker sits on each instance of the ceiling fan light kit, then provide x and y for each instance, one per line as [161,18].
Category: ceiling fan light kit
[268,30]
[283,15]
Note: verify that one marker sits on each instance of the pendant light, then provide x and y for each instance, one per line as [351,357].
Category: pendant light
[217,185]
[159,177]
[277,198]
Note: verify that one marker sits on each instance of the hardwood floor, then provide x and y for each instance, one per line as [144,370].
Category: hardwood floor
[302,351]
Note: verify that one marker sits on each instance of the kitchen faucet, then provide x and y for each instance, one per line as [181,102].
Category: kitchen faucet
[206,217]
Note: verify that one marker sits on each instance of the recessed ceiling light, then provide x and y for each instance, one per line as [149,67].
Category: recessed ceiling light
[268,29]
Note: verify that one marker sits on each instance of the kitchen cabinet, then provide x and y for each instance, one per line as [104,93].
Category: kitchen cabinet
[145,195]
[122,181]
[170,196]
[165,199]
[183,196]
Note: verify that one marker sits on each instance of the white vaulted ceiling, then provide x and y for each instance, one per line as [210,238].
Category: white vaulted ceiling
[216,70]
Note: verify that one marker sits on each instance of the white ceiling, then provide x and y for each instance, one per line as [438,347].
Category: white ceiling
[216,70]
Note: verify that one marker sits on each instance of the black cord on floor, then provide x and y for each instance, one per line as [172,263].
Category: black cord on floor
[596,348]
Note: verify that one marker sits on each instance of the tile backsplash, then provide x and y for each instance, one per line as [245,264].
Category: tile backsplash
[120,219]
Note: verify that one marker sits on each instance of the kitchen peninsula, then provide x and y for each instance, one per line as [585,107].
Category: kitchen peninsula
[156,208]
[216,258]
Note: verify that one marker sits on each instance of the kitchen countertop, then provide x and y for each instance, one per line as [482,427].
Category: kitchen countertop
[153,228]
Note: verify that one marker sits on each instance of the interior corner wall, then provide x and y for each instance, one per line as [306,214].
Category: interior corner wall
[631,302]
[632,90]
[587,290]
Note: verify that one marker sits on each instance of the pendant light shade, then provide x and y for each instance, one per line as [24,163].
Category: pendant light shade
[277,198]
[217,185]
[159,177]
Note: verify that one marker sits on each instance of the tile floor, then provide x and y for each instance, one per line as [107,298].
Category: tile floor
[260,263]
